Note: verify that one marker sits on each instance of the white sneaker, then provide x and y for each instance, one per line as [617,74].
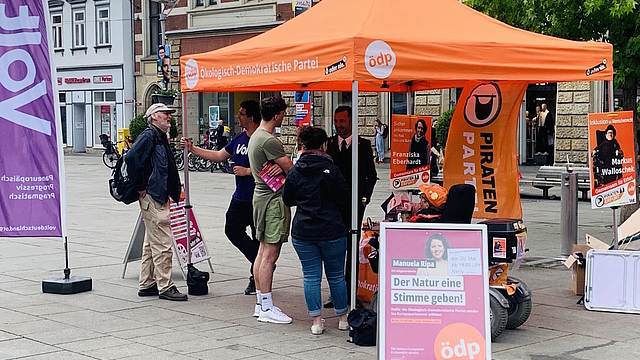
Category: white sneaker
[317,329]
[274,316]
[256,311]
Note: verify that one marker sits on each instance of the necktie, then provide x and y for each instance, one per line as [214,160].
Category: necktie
[344,146]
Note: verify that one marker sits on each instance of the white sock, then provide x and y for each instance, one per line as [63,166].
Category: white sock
[258,297]
[267,301]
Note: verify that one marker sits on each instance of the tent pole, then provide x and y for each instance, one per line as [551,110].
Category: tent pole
[409,103]
[187,201]
[354,194]
[613,209]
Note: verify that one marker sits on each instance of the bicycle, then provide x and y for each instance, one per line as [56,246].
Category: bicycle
[111,155]
[178,156]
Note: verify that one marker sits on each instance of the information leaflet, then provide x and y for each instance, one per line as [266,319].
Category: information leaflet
[612,159]
[434,292]
[199,251]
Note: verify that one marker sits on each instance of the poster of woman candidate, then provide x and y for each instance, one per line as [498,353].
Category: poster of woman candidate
[433,292]
[612,159]
[410,151]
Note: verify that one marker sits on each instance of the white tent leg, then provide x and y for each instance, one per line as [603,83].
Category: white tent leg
[187,202]
[354,194]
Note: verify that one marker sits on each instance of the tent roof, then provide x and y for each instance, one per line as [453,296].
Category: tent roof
[426,44]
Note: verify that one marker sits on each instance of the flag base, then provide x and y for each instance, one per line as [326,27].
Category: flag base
[67,285]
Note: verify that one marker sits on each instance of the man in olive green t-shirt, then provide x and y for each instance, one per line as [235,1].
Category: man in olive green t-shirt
[271,217]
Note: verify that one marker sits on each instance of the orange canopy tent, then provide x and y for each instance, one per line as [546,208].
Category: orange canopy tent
[389,45]
[392,45]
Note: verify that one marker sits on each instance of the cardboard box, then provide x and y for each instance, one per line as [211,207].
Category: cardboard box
[578,267]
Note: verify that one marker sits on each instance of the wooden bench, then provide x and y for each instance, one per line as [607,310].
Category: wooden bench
[550,176]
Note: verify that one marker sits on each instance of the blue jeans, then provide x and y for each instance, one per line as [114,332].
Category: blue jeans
[312,254]
[380,147]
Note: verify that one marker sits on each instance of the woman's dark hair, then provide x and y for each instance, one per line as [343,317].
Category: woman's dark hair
[427,246]
[311,138]
[424,125]
[271,106]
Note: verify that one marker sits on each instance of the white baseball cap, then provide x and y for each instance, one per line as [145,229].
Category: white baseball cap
[158,107]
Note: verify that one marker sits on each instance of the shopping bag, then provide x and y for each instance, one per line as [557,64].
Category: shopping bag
[367,279]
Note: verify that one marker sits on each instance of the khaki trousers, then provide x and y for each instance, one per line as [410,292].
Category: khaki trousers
[157,253]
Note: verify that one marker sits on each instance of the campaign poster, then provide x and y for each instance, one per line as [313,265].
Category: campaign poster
[612,159]
[32,181]
[303,108]
[164,52]
[199,251]
[300,6]
[481,147]
[433,292]
[410,151]
[214,116]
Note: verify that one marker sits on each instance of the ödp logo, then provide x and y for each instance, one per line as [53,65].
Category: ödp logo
[483,105]
[379,59]
[460,342]
[191,75]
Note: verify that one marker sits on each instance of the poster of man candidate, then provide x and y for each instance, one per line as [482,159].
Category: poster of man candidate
[612,159]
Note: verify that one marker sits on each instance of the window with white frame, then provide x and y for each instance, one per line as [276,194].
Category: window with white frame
[56,24]
[78,29]
[199,2]
[103,26]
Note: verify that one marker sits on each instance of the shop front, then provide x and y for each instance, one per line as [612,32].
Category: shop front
[93,105]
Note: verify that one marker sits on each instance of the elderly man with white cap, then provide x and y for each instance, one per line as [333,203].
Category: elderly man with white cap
[152,170]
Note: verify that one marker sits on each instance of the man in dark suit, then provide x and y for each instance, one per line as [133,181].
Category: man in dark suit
[339,148]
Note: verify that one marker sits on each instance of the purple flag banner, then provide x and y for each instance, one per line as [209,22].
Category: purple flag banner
[31,166]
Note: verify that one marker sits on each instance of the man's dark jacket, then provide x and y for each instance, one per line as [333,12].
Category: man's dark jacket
[316,186]
[367,175]
[151,166]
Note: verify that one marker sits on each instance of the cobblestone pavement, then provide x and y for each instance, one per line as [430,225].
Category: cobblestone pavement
[112,322]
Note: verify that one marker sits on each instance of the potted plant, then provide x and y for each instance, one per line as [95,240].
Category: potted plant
[137,125]
[165,96]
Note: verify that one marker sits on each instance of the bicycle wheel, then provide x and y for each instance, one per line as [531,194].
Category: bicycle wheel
[204,165]
[110,159]
[178,155]
[193,162]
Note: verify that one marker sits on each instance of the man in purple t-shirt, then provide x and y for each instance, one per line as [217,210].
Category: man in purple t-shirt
[240,212]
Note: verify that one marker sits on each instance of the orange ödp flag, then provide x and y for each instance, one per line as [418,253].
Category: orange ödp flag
[481,147]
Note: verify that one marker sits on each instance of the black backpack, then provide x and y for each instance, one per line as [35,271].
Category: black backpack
[385,131]
[120,187]
[364,324]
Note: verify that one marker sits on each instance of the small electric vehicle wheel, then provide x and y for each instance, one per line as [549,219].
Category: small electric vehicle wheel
[498,316]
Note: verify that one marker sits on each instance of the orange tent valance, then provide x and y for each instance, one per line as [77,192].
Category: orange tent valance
[392,45]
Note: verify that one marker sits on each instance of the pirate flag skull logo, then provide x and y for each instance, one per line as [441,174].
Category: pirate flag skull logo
[483,105]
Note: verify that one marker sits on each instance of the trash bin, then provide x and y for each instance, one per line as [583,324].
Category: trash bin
[122,135]
[503,239]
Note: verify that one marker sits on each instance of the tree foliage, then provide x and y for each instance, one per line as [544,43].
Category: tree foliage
[613,21]
[442,127]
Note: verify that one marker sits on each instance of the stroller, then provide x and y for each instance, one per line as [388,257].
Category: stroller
[510,298]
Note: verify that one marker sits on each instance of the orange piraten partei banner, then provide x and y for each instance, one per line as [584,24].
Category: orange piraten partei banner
[481,147]
[410,151]
[612,159]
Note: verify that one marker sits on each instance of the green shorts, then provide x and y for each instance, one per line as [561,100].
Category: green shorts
[277,220]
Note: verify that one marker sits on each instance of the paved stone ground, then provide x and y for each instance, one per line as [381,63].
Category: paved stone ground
[112,322]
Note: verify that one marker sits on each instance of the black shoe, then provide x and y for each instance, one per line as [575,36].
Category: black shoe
[328,304]
[251,288]
[151,291]
[173,294]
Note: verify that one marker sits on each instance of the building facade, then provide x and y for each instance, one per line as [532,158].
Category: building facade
[195,26]
[93,51]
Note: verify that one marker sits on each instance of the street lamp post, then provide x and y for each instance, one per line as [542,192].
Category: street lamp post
[170,4]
